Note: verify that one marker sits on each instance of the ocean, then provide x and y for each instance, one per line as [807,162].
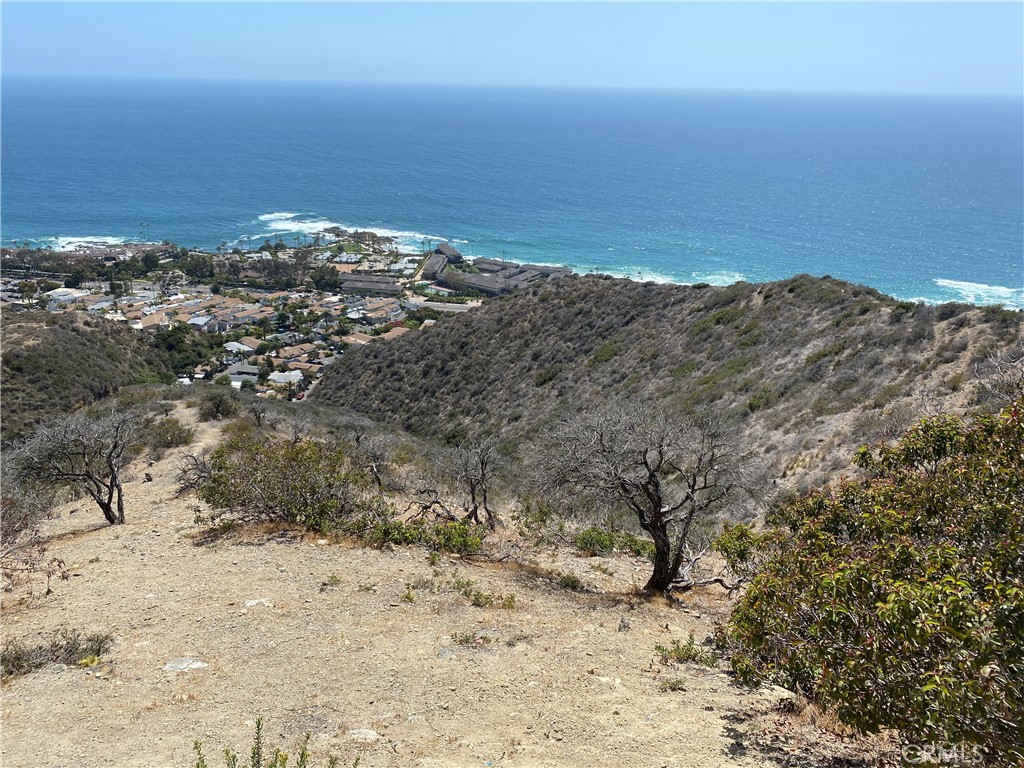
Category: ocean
[919,197]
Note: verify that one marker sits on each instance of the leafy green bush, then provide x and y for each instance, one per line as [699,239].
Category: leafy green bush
[599,541]
[304,482]
[570,581]
[899,599]
[605,352]
[218,402]
[168,433]
[546,376]
[459,538]
[765,397]
[595,541]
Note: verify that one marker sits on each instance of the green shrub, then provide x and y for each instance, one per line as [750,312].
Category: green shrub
[672,684]
[217,402]
[599,541]
[303,482]
[595,541]
[724,316]
[765,397]
[571,581]
[831,350]
[688,652]
[460,538]
[546,376]
[168,433]
[605,352]
[899,599]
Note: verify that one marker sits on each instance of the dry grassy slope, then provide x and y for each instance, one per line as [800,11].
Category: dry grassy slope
[810,367]
[558,686]
[57,362]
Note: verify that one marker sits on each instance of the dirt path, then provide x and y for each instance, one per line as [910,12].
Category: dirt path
[376,654]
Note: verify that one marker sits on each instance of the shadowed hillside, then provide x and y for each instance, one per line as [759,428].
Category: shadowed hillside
[809,365]
[53,363]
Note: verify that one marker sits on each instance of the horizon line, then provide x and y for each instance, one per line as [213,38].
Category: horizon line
[7,76]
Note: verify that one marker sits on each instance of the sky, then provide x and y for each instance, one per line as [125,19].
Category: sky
[971,48]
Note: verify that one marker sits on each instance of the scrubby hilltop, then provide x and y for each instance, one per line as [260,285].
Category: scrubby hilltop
[52,363]
[808,364]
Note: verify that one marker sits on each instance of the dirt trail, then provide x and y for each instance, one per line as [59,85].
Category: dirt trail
[376,654]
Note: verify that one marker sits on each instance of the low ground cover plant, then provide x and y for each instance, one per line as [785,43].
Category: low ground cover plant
[64,646]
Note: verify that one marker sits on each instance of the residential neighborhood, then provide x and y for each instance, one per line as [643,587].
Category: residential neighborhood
[281,315]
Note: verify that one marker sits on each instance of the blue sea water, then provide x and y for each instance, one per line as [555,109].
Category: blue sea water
[920,197]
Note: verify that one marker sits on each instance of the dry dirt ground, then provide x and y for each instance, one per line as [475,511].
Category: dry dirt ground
[377,654]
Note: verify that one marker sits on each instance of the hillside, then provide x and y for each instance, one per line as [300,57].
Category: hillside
[376,654]
[54,363]
[810,366]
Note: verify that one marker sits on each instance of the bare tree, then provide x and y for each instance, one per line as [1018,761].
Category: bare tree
[193,472]
[82,454]
[1001,377]
[472,467]
[672,473]
[375,454]
[22,546]
[257,408]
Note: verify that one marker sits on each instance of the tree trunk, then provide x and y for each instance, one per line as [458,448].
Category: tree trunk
[108,511]
[664,573]
[120,503]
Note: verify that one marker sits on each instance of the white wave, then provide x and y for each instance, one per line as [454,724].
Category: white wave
[290,222]
[722,277]
[280,223]
[639,275]
[64,243]
[980,293]
[418,237]
[279,215]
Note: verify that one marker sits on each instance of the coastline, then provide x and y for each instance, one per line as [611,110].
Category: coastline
[287,226]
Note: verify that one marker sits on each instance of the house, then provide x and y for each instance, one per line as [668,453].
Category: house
[312,368]
[242,349]
[406,266]
[251,342]
[371,284]
[240,372]
[295,352]
[434,265]
[394,333]
[449,252]
[60,297]
[288,337]
[373,264]
[357,338]
[154,322]
[289,377]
